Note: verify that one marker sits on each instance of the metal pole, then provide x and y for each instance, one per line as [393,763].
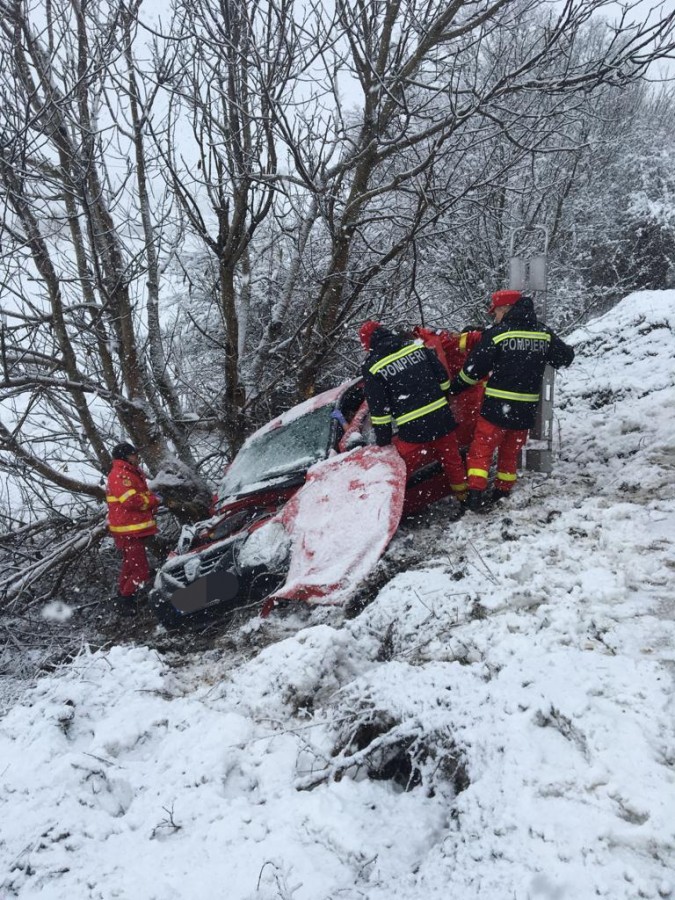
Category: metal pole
[530,274]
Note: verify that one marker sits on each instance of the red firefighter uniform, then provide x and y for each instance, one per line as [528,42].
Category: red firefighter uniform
[513,354]
[131,507]
[453,348]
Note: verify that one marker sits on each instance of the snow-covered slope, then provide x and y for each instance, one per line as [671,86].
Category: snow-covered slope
[518,682]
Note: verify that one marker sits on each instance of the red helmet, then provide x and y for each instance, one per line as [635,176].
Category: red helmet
[366,333]
[503,298]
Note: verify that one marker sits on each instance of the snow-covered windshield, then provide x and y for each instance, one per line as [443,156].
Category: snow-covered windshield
[291,448]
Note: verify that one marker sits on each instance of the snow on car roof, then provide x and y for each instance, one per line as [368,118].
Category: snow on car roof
[295,412]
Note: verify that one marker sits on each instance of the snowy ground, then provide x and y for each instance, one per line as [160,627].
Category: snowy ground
[497,724]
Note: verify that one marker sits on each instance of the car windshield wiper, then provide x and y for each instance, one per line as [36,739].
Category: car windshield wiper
[279,479]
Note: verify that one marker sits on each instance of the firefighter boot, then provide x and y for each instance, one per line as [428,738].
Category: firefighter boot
[477,501]
[125,606]
[497,496]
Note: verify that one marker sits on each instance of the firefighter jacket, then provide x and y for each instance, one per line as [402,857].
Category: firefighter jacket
[452,348]
[131,504]
[406,386]
[514,354]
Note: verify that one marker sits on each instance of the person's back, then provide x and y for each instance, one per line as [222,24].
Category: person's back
[406,386]
[405,383]
[513,355]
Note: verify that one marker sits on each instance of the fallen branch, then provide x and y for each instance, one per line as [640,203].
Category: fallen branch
[55,555]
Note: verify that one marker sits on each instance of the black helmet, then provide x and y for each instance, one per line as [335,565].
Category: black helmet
[123,451]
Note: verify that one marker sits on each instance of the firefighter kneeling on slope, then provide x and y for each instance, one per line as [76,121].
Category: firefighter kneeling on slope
[514,352]
[131,520]
[406,385]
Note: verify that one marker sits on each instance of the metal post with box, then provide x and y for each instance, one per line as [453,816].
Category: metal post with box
[528,274]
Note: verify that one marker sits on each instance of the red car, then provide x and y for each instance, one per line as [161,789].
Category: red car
[304,510]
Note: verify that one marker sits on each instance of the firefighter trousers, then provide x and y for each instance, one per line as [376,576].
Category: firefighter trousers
[135,567]
[466,408]
[487,438]
[444,449]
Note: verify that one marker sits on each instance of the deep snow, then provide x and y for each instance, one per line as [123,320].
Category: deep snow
[524,663]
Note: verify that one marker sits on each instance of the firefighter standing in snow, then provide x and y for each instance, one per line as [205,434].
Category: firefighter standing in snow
[406,386]
[514,353]
[131,509]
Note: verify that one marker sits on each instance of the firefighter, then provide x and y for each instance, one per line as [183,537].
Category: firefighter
[406,386]
[131,509]
[514,353]
[452,348]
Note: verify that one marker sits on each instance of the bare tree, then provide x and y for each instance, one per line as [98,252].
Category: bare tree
[436,79]
[82,365]
[445,109]
[601,185]
[186,239]
[227,64]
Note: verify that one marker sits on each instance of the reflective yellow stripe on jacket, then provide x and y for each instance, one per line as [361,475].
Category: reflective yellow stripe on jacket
[467,378]
[406,351]
[125,529]
[511,395]
[526,335]
[124,497]
[421,411]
